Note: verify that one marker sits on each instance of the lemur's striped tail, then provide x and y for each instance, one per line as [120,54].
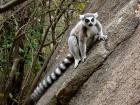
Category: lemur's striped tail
[48,80]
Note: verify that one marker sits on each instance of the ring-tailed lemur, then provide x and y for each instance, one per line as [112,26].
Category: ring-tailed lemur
[87,27]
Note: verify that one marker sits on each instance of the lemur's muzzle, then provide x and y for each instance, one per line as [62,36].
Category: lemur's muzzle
[90,24]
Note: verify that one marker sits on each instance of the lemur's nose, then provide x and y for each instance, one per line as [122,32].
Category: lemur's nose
[90,24]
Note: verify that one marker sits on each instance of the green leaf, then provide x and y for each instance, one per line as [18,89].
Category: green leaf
[79,6]
[6,45]
[21,50]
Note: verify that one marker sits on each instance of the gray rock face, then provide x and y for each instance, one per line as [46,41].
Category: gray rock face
[117,81]
[111,73]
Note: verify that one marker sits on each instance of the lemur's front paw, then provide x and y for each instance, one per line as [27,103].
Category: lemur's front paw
[84,58]
[102,37]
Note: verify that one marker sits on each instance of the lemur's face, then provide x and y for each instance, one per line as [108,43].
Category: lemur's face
[89,19]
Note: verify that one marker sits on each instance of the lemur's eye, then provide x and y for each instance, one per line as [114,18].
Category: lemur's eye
[86,20]
[92,19]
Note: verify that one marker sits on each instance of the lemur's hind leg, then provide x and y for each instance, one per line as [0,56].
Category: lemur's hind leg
[74,49]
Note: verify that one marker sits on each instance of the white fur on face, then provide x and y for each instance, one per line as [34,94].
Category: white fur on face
[87,21]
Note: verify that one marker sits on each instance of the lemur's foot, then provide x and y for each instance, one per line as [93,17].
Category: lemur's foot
[84,58]
[77,61]
[102,37]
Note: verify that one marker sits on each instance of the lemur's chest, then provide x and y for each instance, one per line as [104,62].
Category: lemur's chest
[92,31]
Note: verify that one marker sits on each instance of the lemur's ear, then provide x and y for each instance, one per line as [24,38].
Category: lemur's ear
[81,17]
[95,14]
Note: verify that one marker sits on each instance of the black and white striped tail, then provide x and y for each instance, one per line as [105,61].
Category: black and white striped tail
[48,80]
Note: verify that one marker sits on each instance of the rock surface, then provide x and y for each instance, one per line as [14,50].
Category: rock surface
[117,81]
[110,75]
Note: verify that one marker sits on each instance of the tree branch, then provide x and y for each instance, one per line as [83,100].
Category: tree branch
[56,37]
[9,5]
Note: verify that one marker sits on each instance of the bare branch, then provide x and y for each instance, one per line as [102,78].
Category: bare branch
[16,11]
[9,5]
[56,37]
[10,80]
